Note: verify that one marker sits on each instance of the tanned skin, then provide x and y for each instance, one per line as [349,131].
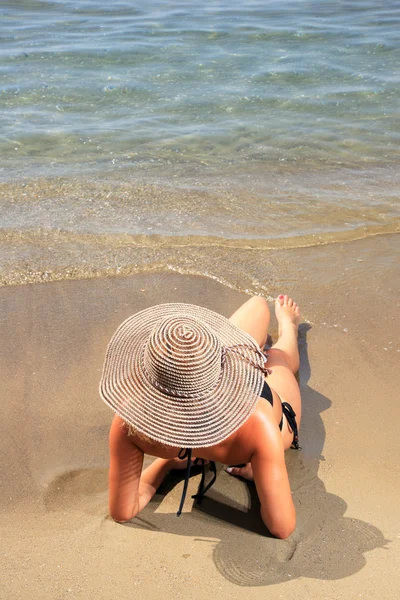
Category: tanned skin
[259,444]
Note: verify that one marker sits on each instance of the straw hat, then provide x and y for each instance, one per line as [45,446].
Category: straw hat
[182,375]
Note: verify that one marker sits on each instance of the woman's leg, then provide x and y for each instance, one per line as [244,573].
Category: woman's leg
[253,317]
[288,316]
[284,359]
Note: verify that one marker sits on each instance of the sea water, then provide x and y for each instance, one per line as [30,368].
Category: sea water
[190,136]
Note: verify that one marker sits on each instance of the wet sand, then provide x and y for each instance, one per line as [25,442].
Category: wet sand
[58,541]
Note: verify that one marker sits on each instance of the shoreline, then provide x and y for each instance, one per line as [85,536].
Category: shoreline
[69,228]
[60,256]
[54,444]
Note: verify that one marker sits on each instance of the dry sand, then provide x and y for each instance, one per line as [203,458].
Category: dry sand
[57,540]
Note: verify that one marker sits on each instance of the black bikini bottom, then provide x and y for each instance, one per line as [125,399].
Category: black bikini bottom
[287,410]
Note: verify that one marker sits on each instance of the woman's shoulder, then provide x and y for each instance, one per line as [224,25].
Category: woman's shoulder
[260,434]
[251,437]
[262,420]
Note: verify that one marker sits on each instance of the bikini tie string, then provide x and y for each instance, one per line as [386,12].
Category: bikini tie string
[291,419]
[201,489]
[187,453]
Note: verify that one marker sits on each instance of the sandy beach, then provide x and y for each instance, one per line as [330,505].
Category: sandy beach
[58,541]
[198,152]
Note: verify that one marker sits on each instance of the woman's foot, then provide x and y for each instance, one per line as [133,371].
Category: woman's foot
[288,316]
[287,313]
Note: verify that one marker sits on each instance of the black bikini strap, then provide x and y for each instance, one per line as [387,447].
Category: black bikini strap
[291,419]
[203,477]
[185,453]
[201,489]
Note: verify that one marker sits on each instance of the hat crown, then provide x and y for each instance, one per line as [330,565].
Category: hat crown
[183,357]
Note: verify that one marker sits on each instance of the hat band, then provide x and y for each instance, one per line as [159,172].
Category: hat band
[232,349]
[180,394]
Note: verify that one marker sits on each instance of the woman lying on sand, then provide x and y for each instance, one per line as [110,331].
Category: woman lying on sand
[187,383]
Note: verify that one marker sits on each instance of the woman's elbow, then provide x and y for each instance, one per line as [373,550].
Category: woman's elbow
[119,519]
[120,515]
[281,528]
[282,532]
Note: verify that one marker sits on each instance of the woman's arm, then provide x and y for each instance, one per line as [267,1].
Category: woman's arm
[272,481]
[130,490]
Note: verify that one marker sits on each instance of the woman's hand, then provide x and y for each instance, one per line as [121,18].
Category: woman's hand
[246,472]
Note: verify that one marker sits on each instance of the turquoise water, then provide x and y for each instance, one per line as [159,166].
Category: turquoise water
[258,122]
[90,85]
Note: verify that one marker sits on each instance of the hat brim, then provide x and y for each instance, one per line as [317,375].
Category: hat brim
[195,422]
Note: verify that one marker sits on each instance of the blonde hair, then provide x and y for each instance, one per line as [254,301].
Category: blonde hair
[138,434]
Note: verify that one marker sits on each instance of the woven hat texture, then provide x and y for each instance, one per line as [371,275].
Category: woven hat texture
[182,375]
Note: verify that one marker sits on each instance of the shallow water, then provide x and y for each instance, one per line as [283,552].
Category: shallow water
[87,86]
[136,138]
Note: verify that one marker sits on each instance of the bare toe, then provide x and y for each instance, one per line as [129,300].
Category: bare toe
[287,311]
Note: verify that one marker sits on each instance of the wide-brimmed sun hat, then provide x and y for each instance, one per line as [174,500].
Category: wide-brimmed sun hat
[182,375]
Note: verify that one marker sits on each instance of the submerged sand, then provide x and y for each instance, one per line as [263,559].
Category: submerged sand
[58,541]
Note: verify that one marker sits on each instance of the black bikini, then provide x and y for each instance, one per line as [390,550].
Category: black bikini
[287,410]
[266,393]
[201,490]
